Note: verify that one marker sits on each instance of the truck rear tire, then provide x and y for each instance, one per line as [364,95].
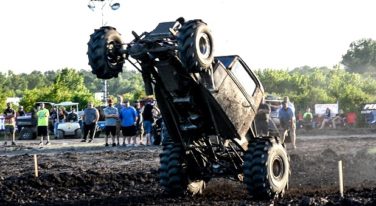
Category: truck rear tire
[266,169]
[196,48]
[172,175]
[26,134]
[78,133]
[105,53]
[163,169]
[60,134]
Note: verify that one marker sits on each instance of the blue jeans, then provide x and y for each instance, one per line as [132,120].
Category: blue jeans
[148,126]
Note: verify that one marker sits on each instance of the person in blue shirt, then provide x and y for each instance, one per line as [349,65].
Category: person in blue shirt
[287,121]
[128,119]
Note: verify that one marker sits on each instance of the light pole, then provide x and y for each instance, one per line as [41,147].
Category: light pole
[102,4]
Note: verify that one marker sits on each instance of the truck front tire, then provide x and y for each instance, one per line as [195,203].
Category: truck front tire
[266,169]
[172,176]
[105,53]
[196,48]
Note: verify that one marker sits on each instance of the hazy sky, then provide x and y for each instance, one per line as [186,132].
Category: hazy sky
[50,34]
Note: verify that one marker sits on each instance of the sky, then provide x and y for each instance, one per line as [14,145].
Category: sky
[50,35]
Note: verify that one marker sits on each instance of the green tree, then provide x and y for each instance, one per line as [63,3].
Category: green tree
[311,86]
[30,97]
[69,79]
[361,56]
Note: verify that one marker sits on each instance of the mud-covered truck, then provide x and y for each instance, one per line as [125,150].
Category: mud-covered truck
[208,105]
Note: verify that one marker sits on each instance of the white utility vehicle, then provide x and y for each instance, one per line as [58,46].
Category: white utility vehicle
[69,126]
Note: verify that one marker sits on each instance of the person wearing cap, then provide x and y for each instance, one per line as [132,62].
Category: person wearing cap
[119,105]
[90,119]
[287,120]
[128,117]
[111,115]
[9,122]
[73,116]
[21,112]
[139,123]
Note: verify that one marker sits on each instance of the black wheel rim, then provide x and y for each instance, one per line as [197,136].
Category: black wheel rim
[113,53]
[26,135]
[204,45]
[278,168]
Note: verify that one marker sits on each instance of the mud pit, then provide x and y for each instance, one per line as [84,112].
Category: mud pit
[82,174]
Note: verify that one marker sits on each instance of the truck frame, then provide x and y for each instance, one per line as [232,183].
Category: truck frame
[208,105]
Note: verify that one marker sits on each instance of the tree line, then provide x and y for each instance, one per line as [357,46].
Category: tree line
[66,84]
[309,86]
[351,86]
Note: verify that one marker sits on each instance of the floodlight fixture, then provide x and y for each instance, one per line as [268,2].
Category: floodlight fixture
[115,6]
[91,5]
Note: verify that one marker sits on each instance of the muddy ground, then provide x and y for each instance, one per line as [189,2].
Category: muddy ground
[74,173]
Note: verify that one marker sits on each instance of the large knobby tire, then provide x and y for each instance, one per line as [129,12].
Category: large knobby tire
[60,134]
[196,48]
[26,134]
[78,133]
[163,169]
[172,174]
[177,179]
[266,169]
[105,53]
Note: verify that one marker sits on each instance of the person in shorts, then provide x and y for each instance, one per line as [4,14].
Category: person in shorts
[128,117]
[119,105]
[148,114]
[42,129]
[10,123]
[111,115]
[139,123]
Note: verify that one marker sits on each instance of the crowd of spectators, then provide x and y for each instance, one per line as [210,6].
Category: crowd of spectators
[134,123]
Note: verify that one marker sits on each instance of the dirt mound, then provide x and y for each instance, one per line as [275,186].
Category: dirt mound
[129,176]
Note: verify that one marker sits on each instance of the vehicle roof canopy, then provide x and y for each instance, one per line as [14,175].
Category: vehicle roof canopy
[64,104]
[46,103]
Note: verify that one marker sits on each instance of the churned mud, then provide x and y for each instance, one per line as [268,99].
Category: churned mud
[73,173]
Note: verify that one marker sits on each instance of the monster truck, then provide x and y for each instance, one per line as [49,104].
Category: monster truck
[208,105]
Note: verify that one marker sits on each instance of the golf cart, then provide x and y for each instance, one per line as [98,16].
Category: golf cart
[70,126]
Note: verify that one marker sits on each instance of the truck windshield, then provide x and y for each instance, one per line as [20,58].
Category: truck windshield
[226,60]
[244,78]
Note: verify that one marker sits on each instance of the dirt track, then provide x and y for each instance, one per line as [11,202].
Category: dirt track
[90,174]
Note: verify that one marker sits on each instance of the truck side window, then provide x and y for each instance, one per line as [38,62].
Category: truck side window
[244,78]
